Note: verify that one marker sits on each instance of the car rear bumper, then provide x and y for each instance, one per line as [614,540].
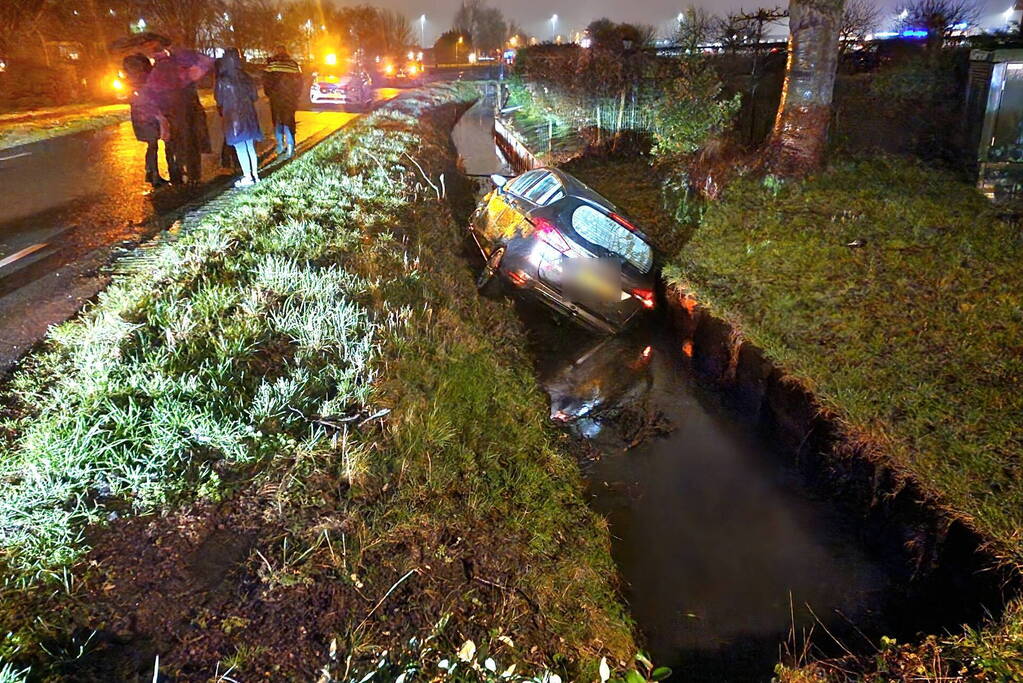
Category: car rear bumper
[331,97]
[570,309]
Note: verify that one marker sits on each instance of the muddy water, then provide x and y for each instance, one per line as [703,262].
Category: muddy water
[474,139]
[727,560]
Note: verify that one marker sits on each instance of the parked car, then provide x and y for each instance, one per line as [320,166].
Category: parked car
[546,234]
[409,75]
[352,89]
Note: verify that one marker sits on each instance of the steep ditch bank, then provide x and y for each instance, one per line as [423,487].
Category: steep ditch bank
[928,551]
[381,509]
[938,564]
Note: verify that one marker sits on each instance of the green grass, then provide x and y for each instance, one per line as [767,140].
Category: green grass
[914,341]
[225,363]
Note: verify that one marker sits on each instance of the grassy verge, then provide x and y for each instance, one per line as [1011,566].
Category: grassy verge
[26,132]
[893,292]
[23,128]
[345,447]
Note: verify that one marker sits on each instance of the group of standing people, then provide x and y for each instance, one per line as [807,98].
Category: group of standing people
[165,105]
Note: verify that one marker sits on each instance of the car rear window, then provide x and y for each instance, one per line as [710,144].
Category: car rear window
[522,183]
[603,231]
[542,192]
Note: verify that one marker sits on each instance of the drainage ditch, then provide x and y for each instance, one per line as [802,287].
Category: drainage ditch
[745,529]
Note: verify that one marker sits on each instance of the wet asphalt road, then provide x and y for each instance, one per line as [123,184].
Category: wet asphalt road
[68,201]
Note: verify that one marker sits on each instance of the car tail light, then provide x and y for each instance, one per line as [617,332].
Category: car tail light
[518,278]
[551,235]
[621,220]
[645,296]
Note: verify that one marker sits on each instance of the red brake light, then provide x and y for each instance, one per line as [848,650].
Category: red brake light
[620,220]
[645,296]
[550,234]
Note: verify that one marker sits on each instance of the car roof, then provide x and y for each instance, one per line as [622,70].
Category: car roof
[574,187]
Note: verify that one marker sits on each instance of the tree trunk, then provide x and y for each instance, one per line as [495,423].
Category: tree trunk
[796,146]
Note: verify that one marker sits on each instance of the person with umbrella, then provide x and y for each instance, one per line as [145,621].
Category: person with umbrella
[145,116]
[236,94]
[282,83]
[172,85]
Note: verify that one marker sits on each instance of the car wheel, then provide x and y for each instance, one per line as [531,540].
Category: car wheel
[488,282]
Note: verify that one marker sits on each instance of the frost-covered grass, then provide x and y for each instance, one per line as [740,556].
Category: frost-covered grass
[243,358]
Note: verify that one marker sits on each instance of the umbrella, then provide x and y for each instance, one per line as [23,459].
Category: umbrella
[138,40]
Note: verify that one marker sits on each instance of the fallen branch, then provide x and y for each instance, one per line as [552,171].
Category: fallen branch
[425,177]
[397,583]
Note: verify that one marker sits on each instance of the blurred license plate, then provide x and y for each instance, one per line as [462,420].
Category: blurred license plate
[593,281]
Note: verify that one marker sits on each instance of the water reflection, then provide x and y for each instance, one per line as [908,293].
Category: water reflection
[721,550]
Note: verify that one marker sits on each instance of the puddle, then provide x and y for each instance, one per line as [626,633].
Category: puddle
[729,558]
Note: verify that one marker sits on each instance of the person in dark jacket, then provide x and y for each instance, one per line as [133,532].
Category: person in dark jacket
[145,116]
[236,94]
[172,85]
[282,83]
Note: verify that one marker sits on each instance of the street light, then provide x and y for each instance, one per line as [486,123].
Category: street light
[554,24]
[422,30]
[456,48]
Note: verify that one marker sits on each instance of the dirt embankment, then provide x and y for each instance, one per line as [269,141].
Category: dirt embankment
[441,509]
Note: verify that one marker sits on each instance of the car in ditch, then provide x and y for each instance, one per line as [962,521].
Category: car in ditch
[546,234]
[352,88]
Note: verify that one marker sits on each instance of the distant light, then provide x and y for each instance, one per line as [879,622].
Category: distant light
[411,55]
[279,16]
[472,57]
[3,66]
[586,42]
[227,17]
[681,17]
[142,23]
[885,34]
[330,59]
[903,14]
[117,84]
[914,33]
[419,56]
[113,13]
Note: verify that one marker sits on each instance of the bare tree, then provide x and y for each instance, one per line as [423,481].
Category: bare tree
[253,25]
[190,23]
[696,29]
[796,145]
[942,19]
[859,19]
[17,19]
[483,24]
[734,32]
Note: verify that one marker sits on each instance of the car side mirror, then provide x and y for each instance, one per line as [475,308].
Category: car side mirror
[498,180]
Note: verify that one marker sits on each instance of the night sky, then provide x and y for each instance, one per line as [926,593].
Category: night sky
[534,15]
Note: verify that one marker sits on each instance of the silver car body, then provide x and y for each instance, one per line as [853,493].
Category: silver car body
[544,231]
